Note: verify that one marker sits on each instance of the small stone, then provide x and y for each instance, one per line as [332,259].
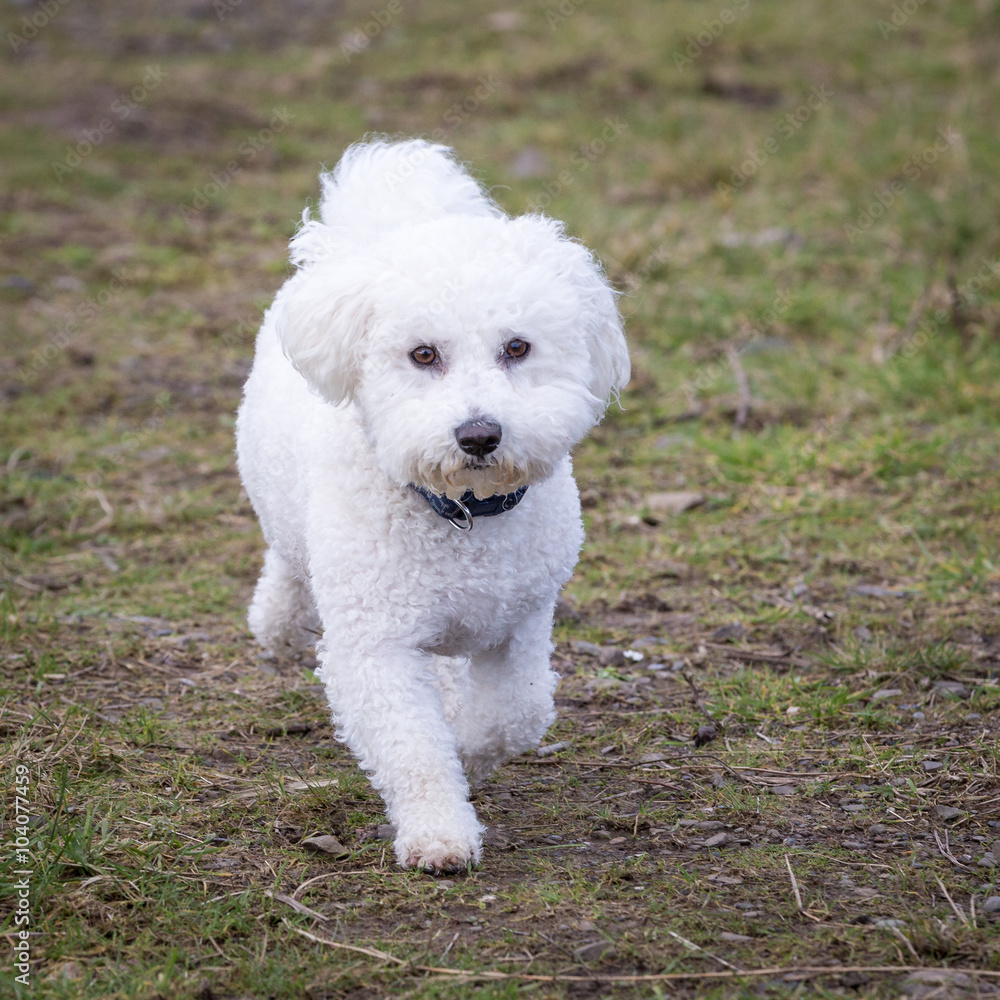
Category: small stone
[853,807]
[17,283]
[326,844]
[729,936]
[916,983]
[868,590]
[705,734]
[992,905]
[675,502]
[594,951]
[782,789]
[67,972]
[952,689]
[886,693]
[565,612]
[995,849]
[548,751]
[863,634]
[988,861]
[718,840]
[709,824]
[947,812]
[385,831]
[530,162]
[444,883]
[733,632]
[652,758]
[886,922]
[852,845]
[854,980]
[878,828]
[932,765]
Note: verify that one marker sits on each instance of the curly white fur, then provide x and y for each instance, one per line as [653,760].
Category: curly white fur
[435,643]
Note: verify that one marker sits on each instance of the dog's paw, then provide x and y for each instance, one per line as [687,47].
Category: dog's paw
[439,855]
[450,865]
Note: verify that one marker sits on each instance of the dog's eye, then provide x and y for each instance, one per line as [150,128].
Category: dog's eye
[516,348]
[424,355]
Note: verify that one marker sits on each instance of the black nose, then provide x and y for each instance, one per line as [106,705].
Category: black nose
[478,437]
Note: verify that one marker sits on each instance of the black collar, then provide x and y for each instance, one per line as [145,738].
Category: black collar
[461,512]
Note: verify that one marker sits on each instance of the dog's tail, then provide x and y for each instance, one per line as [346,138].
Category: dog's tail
[381,185]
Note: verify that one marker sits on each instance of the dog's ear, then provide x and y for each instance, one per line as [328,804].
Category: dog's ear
[605,337]
[599,321]
[325,314]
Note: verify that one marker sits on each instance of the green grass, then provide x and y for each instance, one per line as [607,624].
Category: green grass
[836,260]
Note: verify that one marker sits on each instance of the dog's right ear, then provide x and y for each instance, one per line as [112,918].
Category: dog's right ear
[325,314]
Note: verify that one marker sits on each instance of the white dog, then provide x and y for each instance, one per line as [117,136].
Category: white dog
[427,368]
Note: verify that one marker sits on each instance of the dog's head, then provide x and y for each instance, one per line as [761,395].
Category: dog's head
[477,349]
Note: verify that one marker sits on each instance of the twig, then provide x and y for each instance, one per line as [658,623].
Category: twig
[663,977]
[697,697]
[795,885]
[902,937]
[798,895]
[744,399]
[958,912]
[444,954]
[335,874]
[958,315]
[694,947]
[753,656]
[916,313]
[298,907]
[946,853]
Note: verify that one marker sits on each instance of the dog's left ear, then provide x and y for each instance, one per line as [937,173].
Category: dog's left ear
[604,334]
[323,317]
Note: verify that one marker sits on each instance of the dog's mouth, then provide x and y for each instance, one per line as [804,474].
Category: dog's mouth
[485,475]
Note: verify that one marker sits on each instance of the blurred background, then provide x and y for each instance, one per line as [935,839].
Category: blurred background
[792,519]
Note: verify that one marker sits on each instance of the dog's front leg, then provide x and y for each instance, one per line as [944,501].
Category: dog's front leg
[389,714]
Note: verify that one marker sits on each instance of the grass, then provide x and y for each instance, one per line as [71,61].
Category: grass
[813,314]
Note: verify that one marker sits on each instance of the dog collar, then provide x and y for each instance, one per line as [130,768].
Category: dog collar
[461,511]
